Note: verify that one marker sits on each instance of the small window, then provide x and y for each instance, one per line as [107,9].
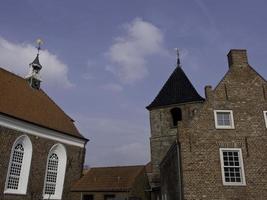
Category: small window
[88,197]
[224,119]
[109,196]
[232,166]
[176,116]
[265,117]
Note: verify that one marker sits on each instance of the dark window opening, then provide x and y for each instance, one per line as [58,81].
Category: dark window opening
[109,196]
[176,115]
[88,197]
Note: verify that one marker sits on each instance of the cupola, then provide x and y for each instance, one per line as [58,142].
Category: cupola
[33,77]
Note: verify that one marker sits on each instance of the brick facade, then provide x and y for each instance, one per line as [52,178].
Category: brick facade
[163,133]
[41,147]
[244,92]
[170,176]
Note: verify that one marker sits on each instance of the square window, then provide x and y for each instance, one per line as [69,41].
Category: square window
[224,119]
[265,117]
[232,172]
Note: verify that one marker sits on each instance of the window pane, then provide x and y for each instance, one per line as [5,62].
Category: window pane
[51,176]
[15,168]
[223,118]
[232,168]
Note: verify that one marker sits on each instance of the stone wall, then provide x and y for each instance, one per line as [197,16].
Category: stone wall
[163,133]
[41,147]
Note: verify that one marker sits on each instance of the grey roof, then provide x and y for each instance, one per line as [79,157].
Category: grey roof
[177,89]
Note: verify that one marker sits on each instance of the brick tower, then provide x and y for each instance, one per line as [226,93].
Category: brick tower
[178,100]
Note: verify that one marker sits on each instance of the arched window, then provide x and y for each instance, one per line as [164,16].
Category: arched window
[176,115]
[55,172]
[19,166]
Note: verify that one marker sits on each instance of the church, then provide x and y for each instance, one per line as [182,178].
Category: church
[212,147]
[41,151]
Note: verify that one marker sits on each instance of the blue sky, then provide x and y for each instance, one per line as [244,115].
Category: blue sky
[105,61]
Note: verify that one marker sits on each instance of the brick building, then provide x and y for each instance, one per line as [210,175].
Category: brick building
[41,150]
[113,183]
[219,151]
[177,100]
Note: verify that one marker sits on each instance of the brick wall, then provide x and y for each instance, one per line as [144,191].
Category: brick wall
[99,195]
[163,133]
[244,92]
[41,147]
[170,174]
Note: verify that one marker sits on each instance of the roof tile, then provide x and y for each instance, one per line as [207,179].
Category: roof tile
[21,101]
[108,178]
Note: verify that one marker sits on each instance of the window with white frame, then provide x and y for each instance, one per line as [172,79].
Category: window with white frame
[224,119]
[265,117]
[15,168]
[232,166]
[51,175]
[19,166]
[55,172]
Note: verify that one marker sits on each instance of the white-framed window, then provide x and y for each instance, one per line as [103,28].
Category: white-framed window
[19,166]
[232,166]
[224,119]
[265,117]
[55,172]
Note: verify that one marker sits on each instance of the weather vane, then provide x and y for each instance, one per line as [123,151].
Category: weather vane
[39,42]
[178,57]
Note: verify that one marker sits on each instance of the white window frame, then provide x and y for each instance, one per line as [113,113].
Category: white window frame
[232,124]
[242,171]
[61,152]
[25,166]
[265,117]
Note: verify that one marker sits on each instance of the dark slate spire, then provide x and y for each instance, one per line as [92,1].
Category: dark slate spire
[177,89]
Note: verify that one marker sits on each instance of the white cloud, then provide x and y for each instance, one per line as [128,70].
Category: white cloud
[129,52]
[16,58]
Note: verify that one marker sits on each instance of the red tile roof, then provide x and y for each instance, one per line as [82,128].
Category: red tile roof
[109,179]
[21,101]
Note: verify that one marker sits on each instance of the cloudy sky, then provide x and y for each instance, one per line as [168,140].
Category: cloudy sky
[105,60]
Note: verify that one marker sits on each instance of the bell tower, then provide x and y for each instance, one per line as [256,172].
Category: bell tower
[177,101]
[33,77]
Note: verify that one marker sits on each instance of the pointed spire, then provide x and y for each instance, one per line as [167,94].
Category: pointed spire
[177,89]
[178,58]
[36,64]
